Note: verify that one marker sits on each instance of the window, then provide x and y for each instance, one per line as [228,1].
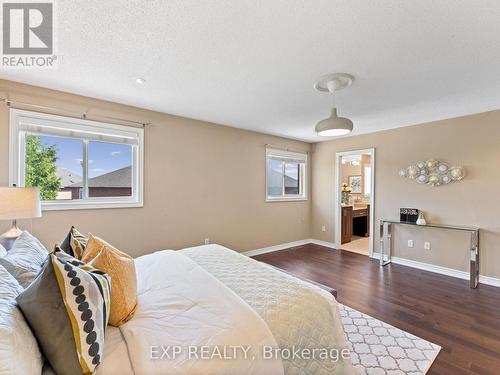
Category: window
[76,163]
[367,180]
[286,175]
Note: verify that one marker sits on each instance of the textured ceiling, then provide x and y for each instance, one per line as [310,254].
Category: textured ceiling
[252,63]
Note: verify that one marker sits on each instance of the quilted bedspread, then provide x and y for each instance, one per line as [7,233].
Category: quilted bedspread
[299,314]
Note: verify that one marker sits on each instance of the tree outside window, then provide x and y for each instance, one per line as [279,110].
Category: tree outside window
[41,168]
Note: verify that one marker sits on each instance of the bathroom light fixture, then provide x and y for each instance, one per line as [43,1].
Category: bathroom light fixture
[140,81]
[334,126]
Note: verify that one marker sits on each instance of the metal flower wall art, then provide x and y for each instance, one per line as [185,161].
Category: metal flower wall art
[433,172]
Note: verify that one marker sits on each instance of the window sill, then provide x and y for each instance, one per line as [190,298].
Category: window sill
[89,205]
[297,199]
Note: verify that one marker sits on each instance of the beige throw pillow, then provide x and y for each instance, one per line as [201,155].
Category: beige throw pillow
[120,267]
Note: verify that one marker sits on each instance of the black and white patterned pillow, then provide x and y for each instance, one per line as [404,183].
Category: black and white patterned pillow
[71,333]
[74,244]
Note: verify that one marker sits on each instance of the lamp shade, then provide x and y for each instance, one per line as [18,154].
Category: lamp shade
[334,126]
[19,203]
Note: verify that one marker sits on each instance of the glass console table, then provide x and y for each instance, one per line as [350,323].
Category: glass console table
[386,244]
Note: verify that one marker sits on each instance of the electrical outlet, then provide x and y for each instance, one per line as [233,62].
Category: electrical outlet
[427,245]
[207,241]
[410,243]
[323,228]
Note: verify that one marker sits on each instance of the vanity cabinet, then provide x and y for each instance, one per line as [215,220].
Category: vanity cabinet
[346,232]
[355,221]
[361,222]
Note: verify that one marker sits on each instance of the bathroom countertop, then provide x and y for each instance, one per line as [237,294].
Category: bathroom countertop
[356,207]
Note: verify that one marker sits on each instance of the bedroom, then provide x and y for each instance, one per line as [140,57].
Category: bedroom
[206,114]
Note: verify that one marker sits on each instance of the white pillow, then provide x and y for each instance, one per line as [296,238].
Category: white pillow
[19,352]
[25,259]
[3,251]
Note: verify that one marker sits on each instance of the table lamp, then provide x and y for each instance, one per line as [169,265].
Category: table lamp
[18,203]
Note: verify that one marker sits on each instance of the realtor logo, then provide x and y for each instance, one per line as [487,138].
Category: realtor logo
[28,29]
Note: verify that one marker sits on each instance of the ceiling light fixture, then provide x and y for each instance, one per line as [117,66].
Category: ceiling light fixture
[140,81]
[334,126]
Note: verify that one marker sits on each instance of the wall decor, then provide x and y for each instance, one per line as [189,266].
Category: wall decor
[433,172]
[355,184]
[408,215]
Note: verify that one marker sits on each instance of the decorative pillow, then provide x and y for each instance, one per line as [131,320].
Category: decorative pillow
[121,268]
[19,353]
[67,307]
[74,243]
[25,259]
[3,251]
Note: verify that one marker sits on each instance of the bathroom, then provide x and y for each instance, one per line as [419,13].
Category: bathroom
[356,177]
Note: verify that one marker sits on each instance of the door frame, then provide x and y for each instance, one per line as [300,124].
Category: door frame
[337,207]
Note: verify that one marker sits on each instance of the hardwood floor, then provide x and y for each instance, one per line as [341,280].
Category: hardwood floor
[438,308]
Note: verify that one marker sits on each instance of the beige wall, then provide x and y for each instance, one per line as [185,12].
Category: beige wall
[205,180]
[201,180]
[471,141]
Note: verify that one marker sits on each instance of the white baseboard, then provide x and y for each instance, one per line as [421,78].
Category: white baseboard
[331,245]
[270,249]
[487,280]
[284,246]
[441,270]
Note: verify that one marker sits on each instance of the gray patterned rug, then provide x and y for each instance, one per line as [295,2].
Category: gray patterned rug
[378,348]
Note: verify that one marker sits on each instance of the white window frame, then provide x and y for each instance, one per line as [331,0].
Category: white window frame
[288,156]
[53,125]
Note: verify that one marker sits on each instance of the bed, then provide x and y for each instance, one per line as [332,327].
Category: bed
[213,297]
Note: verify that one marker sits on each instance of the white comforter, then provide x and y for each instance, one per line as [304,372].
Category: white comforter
[180,304]
[299,314]
[212,296]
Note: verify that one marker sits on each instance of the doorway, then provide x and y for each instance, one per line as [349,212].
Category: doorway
[355,201]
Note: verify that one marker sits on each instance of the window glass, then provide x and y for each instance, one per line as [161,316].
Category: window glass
[54,165]
[292,178]
[367,180]
[274,178]
[110,170]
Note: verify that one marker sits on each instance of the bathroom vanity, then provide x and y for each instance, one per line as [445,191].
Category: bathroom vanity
[355,221]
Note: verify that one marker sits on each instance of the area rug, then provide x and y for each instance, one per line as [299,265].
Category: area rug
[379,348]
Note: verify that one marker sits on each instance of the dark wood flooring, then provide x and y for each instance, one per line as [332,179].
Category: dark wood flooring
[438,308]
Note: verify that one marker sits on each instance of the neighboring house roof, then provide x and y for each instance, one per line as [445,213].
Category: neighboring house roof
[275,179]
[67,177]
[121,178]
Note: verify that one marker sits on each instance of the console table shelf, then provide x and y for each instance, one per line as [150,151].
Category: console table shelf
[386,244]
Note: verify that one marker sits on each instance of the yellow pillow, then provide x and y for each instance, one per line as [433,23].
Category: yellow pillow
[120,267]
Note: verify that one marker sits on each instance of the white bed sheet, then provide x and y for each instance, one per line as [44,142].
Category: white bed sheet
[179,303]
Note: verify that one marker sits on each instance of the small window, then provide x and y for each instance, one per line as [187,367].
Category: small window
[367,180]
[76,163]
[286,175]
